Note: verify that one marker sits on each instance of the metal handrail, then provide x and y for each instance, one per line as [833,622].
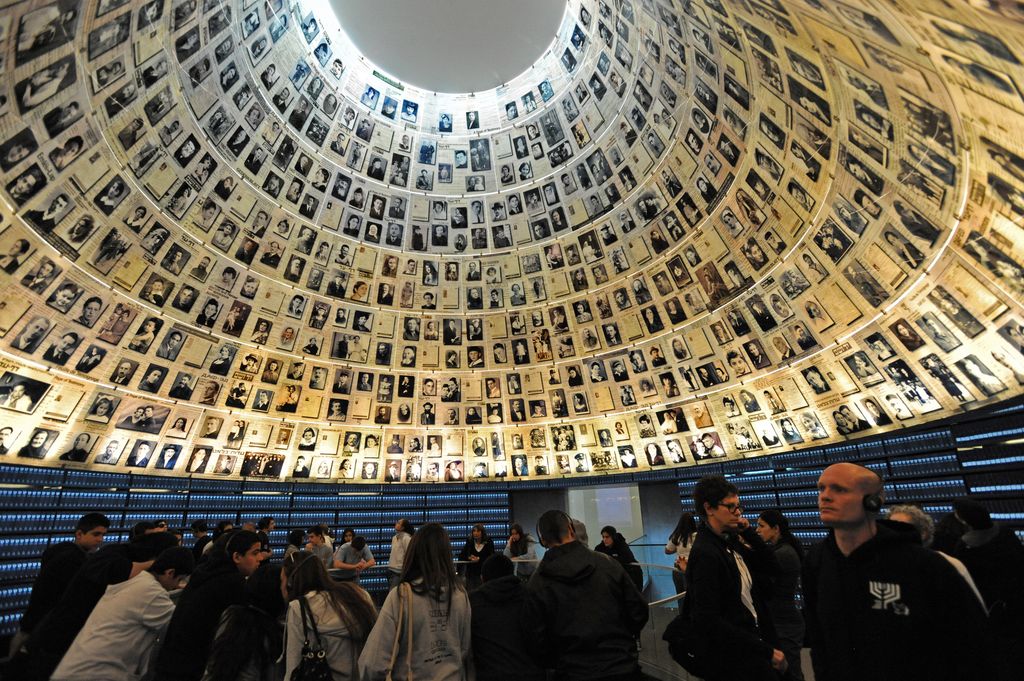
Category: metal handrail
[649,566]
[670,599]
[652,566]
[656,566]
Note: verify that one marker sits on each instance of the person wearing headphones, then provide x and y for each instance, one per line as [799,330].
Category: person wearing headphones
[879,605]
[582,611]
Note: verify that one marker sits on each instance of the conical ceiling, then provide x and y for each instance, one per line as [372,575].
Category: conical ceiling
[234,246]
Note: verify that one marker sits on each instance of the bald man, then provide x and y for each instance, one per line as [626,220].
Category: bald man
[878,605]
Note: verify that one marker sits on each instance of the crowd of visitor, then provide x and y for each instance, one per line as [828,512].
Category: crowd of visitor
[886,595]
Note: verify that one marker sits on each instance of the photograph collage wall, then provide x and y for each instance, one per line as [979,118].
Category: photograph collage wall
[694,230]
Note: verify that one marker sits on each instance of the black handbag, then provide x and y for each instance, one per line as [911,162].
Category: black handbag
[681,637]
[313,665]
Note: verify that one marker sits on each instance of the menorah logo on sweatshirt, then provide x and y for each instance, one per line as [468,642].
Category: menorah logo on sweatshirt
[887,596]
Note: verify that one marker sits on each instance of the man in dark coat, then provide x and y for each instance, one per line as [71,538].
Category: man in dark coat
[58,566]
[582,613]
[879,605]
[995,558]
[727,589]
[499,646]
[200,531]
[216,584]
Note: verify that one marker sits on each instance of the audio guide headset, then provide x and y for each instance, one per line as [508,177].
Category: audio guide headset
[561,515]
[872,503]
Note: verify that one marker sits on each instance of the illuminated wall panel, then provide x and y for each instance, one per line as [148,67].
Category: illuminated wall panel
[706,230]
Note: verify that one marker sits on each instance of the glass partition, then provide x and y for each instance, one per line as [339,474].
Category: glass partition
[615,505]
[655,660]
[657,568]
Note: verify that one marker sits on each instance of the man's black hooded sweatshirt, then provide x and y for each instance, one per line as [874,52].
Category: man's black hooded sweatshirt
[891,610]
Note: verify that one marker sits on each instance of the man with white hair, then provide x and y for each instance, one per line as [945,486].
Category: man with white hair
[925,526]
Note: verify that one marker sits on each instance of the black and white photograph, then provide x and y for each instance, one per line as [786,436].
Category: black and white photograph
[142,416]
[47,28]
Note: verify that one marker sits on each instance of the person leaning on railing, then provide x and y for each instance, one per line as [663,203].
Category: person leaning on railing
[522,550]
[679,544]
[478,548]
[614,545]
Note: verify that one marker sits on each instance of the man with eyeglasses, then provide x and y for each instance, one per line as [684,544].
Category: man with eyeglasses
[732,631]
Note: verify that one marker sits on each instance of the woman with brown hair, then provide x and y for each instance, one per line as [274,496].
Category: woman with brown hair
[478,548]
[423,630]
[334,616]
[679,543]
[521,549]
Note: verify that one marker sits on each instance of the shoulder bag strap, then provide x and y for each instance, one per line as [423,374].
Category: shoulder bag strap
[408,625]
[305,621]
[357,650]
[398,632]
[308,612]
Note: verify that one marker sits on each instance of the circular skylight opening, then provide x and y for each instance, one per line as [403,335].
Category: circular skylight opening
[451,45]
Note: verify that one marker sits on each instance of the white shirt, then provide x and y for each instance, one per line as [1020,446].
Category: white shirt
[746,582]
[678,549]
[399,544]
[23,403]
[120,634]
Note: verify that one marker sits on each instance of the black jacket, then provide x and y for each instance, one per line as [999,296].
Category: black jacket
[53,636]
[58,566]
[997,567]
[620,551]
[197,548]
[215,585]
[472,569]
[891,610]
[729,640]
[499,646]
[582,613]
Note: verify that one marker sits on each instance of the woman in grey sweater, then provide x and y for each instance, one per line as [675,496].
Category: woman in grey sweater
[521,549]
[423,631]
